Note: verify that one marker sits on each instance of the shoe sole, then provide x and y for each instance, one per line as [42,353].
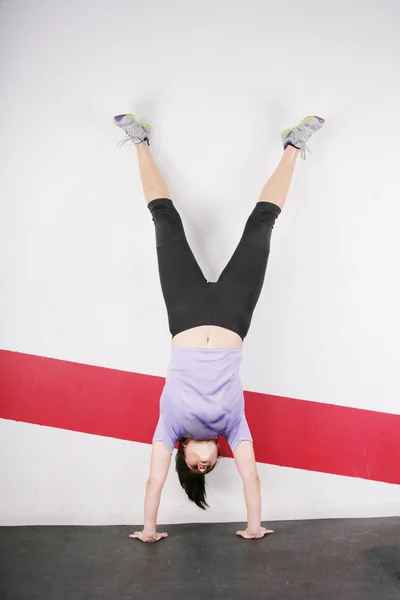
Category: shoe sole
[320,119]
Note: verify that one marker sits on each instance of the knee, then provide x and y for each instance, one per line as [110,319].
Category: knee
[268,210]
[161,206]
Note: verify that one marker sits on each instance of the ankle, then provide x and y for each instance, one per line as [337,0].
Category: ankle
[142,146]
[291,147]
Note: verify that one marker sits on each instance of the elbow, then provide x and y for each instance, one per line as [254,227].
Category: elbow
[154,483]
[252,479]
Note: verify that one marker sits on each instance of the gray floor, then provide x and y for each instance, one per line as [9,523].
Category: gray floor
[313,560]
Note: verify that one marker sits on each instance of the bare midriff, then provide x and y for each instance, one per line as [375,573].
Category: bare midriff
[207,336]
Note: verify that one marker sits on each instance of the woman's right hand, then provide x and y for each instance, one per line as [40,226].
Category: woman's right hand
[148,537]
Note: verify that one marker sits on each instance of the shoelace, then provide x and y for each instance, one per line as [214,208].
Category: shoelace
[304,150]
[122,142]
[128,139]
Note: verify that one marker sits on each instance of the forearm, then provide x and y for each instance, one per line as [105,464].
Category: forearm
[252,496]
[151,505]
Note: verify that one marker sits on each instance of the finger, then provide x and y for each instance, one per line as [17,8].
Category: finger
[240,533]
[165,534]
[266,531]
[136,534]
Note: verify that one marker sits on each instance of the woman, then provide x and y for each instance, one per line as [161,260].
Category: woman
[203,396]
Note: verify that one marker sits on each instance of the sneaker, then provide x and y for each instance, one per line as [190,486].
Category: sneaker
[136,131]
[299,135]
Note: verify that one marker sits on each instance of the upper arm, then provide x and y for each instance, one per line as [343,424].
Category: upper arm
[245,460]
[237,434]
[159,465]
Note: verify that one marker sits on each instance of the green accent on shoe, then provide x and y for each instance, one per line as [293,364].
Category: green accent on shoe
[299,135]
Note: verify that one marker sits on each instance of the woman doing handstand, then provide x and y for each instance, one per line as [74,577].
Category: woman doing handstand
[203,396]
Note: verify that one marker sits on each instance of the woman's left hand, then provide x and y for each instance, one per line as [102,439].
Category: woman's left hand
[248,535]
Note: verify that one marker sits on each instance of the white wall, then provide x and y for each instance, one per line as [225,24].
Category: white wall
[64,477]
[218,80]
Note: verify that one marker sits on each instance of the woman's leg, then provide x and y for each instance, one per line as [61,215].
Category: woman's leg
[183,284]
[277,187]
[153,183]
[240,284]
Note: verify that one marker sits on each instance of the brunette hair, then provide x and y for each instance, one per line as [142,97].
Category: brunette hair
[193,482]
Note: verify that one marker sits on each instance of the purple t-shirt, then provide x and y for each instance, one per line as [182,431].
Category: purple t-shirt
[203,397]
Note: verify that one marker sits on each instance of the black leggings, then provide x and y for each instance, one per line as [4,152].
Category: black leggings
[191,300]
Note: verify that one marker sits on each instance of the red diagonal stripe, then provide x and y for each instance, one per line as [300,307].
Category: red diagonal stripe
[287,432]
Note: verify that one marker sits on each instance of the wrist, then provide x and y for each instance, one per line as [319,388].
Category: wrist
[254,531]
[253,528]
